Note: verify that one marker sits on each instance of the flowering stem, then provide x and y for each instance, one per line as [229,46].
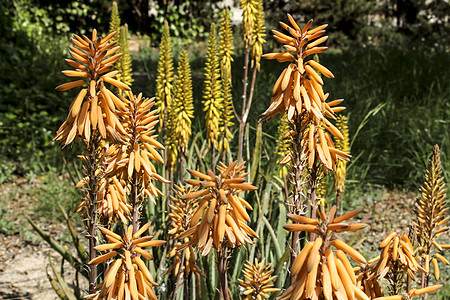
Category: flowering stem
[244,102]
[250,97]
[134,203]
[186,284]
[180,273]
[313,208]
[222,261]
[338,199]
[91,168]
[296,203]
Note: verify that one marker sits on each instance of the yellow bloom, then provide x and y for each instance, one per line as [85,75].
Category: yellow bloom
[212,94]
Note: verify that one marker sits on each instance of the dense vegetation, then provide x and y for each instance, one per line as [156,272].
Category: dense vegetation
[401,91]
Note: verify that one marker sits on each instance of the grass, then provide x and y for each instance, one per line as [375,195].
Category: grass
[35,196]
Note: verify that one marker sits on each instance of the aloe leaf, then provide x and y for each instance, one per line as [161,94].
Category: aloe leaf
[274,238]
[256,154]
[56,287]
[60,249]
[82,254]
[62,283]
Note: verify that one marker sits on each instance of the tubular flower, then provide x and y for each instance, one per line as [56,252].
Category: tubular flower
[133,160]
[318,271]
[396,259]
[111,201]
[182,106]
[430,211]
[124,63]
[249,12]
[298,92]
[299,87]
[258,34]
[343,145]
[225,45]
[317,143]
[226,117]
[182,212]
[212,94]
[127,276]
[165,75]
[283,146]
[258,283]
[95,105]
[221,215]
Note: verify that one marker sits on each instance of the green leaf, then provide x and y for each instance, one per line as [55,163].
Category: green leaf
[60,249]
[62,283]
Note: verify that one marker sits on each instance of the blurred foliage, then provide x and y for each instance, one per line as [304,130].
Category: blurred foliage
[411,82]
[30,109]
[390,22]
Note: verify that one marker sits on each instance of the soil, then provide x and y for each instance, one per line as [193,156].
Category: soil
[24,257]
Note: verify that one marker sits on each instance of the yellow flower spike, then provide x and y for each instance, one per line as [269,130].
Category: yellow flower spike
[249,13]
[124,62]
[226,117]
[212,93]
[225,45]
[258,35]
[182,106]
[165,75]
[223,221]
[114,23]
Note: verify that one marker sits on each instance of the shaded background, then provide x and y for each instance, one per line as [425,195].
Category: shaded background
[390,59]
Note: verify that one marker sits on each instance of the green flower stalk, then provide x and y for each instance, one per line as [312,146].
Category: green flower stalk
[225,44]
[212,93]
[165,76]
[114,23]
[341,165]
[226,117]
[258,35]
[124,62]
